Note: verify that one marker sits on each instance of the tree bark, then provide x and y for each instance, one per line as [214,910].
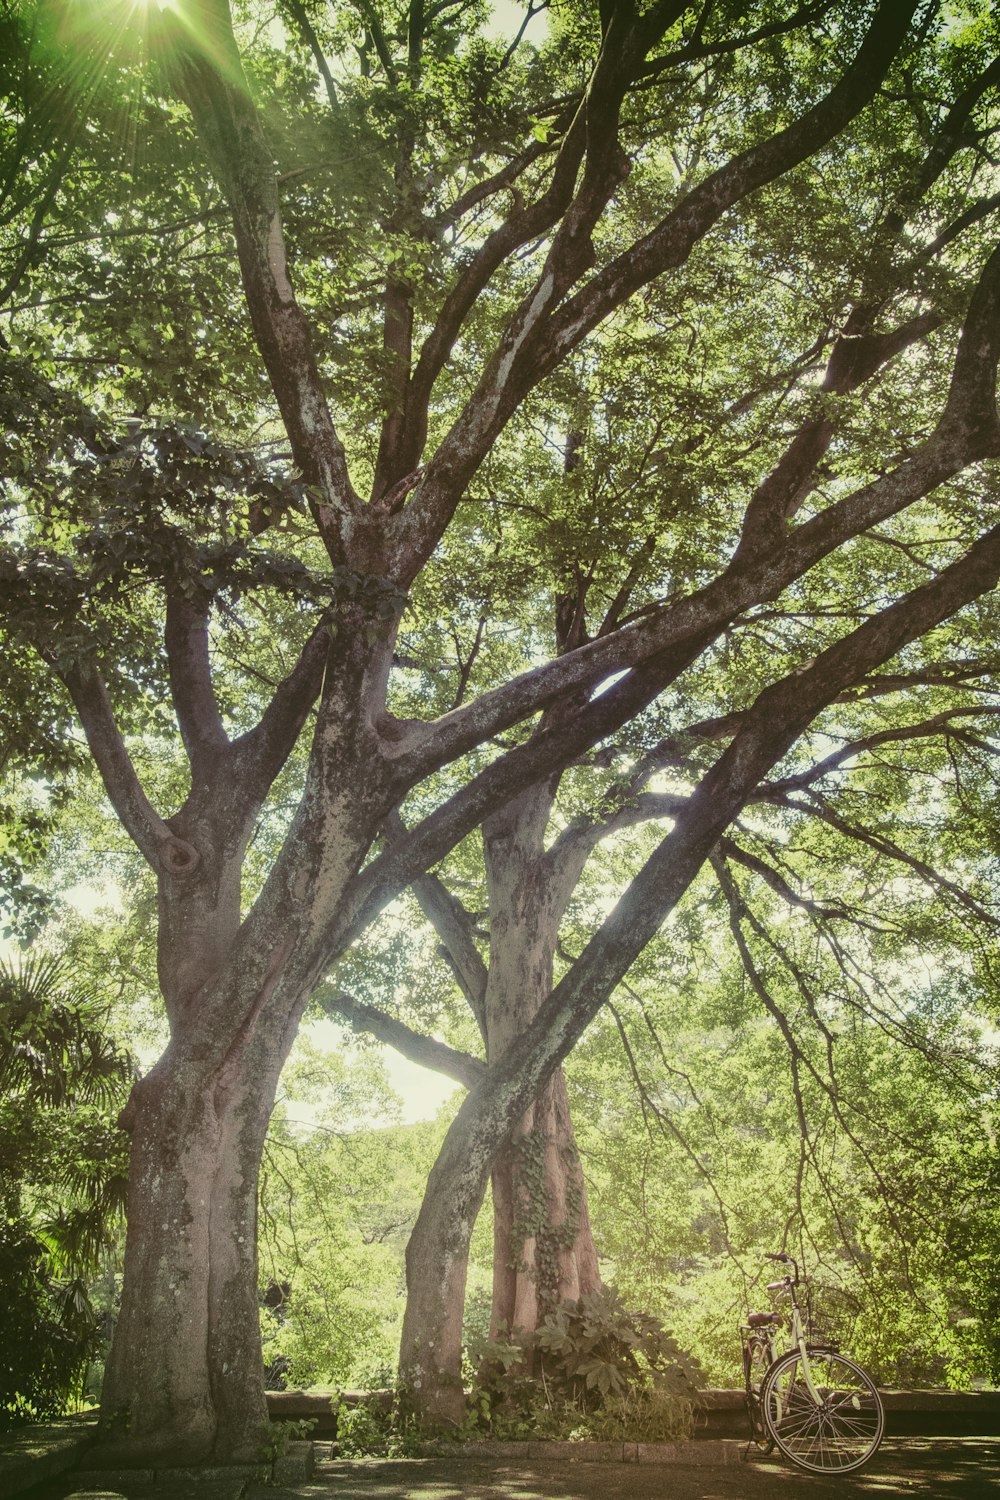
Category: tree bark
[183,1381]
[184,1375]
[543,1249]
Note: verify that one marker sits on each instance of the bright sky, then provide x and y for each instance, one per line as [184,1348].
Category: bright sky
[507,18]
[421,1091]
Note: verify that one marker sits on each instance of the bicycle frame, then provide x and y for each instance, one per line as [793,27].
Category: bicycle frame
[826,1420]
[799,1330]
[766,1335]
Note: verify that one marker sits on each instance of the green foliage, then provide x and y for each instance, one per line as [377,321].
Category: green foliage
[62,1182]
[592,1368]
[338,1198]
[849,1118]
[378,1427]
[49,1332]
[276,1436]
[141,451]
[595,1348]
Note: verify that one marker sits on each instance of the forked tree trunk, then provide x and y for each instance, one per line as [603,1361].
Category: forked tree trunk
[184,1378]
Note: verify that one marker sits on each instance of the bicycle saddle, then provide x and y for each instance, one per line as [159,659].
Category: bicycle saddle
[761,1320]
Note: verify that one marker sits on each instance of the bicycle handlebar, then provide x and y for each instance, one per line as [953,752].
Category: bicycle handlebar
[786,1260]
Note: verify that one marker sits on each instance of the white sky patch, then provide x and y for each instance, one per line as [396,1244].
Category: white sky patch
[608,682]
[422,1091]
[507,19]
[86,898]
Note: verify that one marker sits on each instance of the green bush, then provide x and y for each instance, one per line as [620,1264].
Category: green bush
[63,1161]
[377,1428]
[49,1331]
[593,1369]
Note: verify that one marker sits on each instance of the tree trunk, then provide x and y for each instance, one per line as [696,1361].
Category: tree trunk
[188,1335]
[430,1359]
[183,1381]
[543,1250]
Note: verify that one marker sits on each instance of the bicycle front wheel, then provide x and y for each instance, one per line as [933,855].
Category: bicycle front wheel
[835,1430]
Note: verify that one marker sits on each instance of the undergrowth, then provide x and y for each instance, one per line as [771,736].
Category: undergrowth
[592,1370]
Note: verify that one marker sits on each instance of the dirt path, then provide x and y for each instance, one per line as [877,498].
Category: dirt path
[921,1468]
[926,1469]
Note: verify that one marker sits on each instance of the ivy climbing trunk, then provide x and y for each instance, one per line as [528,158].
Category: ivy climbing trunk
[543,1249]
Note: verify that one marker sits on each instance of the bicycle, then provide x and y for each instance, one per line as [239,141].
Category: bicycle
[819,1408]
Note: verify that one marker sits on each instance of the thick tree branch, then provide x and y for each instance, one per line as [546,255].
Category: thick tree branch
[204,65]
[461,1066]
[698,48]
[670,244]
[776,881]
[453,926]
[591,142]
[547,752]
[195,703]
[525,224]
[161,848]
[263,750]
[576,843]
[777,718]
[301,17]
[939,724]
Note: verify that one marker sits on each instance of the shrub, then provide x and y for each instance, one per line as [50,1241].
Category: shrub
[593,1368]
[49,1331]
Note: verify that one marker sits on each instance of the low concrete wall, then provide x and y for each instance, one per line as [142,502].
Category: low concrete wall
[30,1454]
[934,1413]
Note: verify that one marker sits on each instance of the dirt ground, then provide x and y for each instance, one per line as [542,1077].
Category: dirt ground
[955,1469]
[923,1468]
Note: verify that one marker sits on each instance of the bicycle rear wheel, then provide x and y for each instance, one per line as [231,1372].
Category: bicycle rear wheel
[836,1434]
[755,1364]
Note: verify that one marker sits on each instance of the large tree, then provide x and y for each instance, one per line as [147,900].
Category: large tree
[370,255]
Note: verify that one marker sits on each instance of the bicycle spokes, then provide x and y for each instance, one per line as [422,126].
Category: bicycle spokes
[826,1418]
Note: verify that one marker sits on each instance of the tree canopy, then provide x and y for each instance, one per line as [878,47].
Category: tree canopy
[347,350]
